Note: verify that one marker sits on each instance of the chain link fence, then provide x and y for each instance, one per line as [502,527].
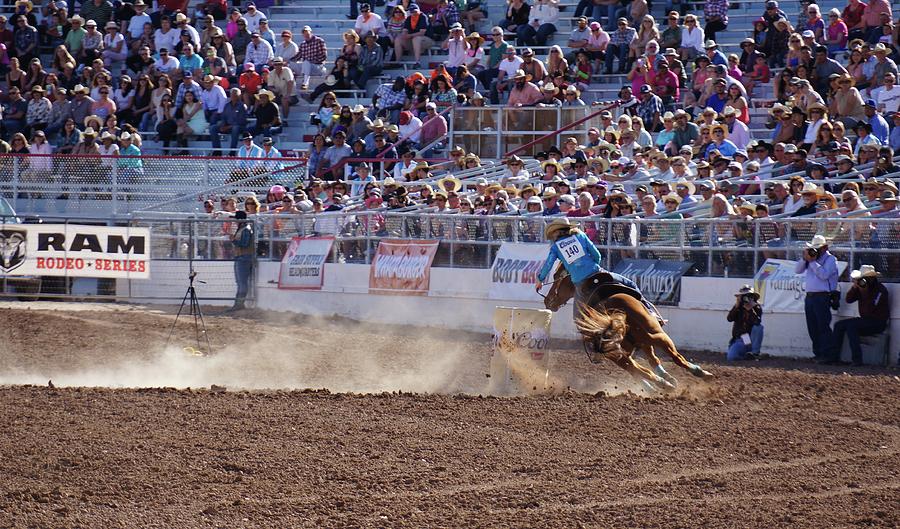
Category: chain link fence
[102,186]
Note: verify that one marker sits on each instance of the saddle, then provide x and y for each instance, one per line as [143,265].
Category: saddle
[602,285]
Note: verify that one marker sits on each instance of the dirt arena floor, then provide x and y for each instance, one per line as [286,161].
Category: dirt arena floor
[298,422]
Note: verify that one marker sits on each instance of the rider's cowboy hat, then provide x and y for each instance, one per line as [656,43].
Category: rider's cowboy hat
[865,271]
[455,183]
[817,242]
[747,290]
[560,224]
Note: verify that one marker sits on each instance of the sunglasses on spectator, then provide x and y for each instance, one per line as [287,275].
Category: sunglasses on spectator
[104,91]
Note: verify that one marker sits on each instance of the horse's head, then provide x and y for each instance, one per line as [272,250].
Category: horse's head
[605,329]
[561,291]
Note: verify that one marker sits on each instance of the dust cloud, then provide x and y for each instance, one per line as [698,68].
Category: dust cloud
[261,367]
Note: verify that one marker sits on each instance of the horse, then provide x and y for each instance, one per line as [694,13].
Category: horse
[615,325]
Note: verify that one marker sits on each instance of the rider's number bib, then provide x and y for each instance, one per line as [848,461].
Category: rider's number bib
[570,249]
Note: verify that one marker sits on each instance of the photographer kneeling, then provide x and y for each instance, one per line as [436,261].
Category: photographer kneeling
[747,317]
[874,311]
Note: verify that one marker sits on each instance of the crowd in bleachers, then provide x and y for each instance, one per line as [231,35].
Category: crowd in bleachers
[678,131]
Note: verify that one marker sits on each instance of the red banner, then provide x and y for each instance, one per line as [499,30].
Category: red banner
[402,267]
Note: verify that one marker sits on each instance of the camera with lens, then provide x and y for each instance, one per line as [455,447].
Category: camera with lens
[813,252]
[863,282]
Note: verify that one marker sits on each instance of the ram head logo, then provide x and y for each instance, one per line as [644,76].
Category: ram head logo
[12,250]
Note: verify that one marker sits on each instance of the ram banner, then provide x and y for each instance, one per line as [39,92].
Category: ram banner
[515,271]
[780,289]
[303,264]
[72,250]
[402,267]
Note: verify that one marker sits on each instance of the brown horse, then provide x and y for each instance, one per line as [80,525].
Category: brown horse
[615,326]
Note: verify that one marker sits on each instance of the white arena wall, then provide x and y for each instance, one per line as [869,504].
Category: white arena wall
[458,299]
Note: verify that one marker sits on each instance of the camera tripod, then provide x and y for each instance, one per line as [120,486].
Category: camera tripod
[190,297]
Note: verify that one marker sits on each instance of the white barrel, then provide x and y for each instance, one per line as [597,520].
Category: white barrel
[520,359]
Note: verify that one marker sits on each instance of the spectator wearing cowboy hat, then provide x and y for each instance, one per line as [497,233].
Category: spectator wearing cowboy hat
[524,93]
[821,280]
[747,328]
[281,82]
[874,311]
[549,99]
[719,143]
[268,116]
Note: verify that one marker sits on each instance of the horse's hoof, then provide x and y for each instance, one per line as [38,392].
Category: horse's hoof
[665,375]
[664,384]
[699,372]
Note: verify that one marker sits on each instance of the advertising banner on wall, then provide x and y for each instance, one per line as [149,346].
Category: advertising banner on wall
[780,289]
[303,264]
[515,271]
[74,251]
[402,267]
[659,281]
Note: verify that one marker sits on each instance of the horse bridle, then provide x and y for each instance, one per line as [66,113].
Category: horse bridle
[555,281]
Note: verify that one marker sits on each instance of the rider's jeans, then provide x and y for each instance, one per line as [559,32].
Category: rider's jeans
[737,349]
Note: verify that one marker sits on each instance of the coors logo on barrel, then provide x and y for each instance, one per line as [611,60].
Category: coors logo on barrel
[13,248]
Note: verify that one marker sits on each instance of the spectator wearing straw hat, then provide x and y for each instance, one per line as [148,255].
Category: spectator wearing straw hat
[37,117]
[268,116]
[874,311]
[213,98]
[719,142]
[747,329]
[821,279]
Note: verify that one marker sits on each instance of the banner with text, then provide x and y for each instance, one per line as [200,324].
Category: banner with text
[515,271]
[74,251]
[659,281]
[303,265]
[402,267]
[780,289]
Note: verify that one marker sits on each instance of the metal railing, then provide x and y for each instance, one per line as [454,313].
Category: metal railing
[717,247]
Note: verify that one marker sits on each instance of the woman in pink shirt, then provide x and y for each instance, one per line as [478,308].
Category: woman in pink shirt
[836,33]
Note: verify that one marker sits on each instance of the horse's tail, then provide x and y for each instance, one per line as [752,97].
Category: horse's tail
[606,328]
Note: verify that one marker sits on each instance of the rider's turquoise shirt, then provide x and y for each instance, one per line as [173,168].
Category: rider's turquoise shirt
[577,253]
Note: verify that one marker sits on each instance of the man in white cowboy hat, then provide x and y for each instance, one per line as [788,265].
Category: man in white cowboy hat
[747,328]
[572,248]
[874,311]
[738,132]
[820,271]
[213,98]
[549,99]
